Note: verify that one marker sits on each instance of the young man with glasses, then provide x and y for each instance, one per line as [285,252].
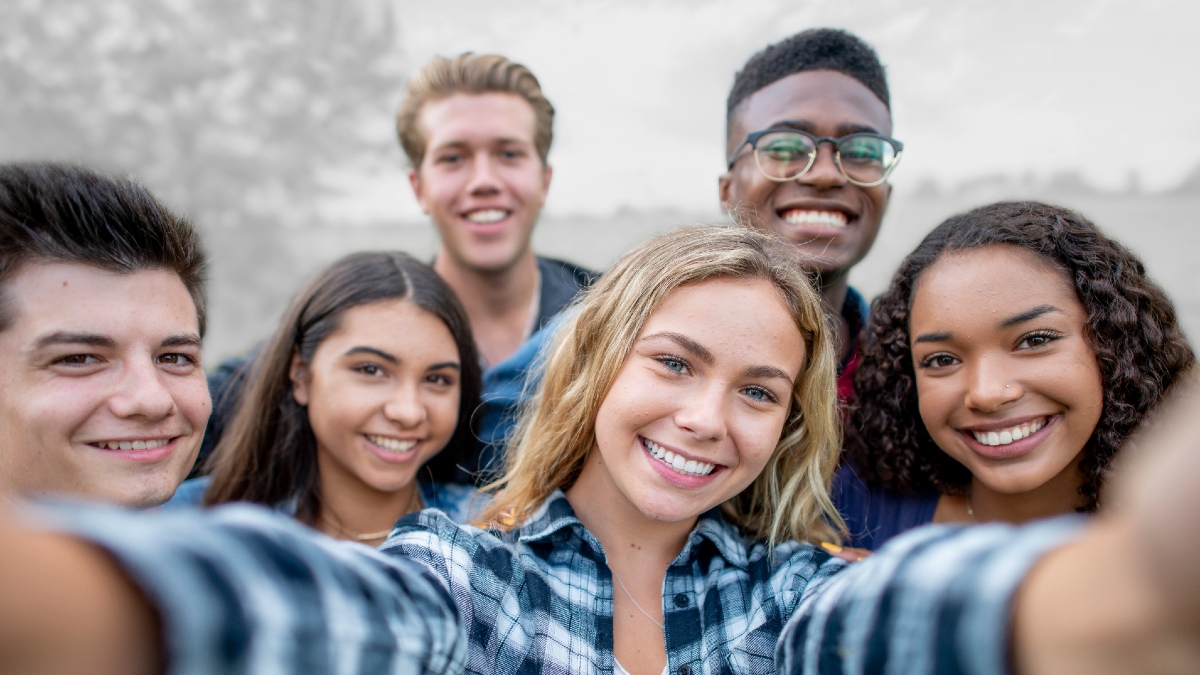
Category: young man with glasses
[808,140]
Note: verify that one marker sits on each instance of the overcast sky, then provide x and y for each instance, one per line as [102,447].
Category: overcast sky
[1106,87]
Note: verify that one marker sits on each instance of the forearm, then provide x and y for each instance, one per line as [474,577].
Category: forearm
[56,587]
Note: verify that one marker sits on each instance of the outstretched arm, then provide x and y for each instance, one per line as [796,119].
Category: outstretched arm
[1125,598]
[65,607]
[1119,594]
[231,590]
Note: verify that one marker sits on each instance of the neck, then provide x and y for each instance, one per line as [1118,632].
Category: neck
[638,547]
[1058,496]
[346,511]
[834,289]
[497,303]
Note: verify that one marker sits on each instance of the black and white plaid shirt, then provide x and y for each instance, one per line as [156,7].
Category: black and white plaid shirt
[243,590]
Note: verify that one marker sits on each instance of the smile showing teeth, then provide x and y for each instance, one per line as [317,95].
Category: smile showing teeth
[1006,436]
[688,467]
[487,216]
[392,444]
[133,445]
[815,218]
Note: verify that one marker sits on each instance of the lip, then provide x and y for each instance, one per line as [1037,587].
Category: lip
[1016,448]
[144,456]
[487,228]
[828,205]
[672,476]
[393,457]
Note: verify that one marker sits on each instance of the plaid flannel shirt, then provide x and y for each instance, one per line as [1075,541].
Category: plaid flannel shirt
[243,590]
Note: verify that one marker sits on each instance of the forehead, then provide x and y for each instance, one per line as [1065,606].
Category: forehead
[826,99]
[44,298]
[476,118]
[987,284]
[754,323]
[398,326]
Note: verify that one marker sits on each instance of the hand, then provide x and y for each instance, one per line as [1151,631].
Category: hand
[1125,597]
[847,553]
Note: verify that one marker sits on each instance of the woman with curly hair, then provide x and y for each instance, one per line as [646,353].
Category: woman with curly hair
[1014,353]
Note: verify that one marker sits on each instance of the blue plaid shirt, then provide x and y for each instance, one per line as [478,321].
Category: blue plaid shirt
[242,590]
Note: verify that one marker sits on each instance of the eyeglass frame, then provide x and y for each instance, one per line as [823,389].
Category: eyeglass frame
[753,137]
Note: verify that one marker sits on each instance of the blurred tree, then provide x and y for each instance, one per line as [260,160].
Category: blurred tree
[236,112]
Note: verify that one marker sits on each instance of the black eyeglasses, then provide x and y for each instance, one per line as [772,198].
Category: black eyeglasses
[786,154]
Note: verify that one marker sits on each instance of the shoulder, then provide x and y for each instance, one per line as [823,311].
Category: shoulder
[563,272]
[874,515]
[458,501]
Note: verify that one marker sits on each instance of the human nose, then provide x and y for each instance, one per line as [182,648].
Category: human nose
[405,406]
[484,179]
[703,413]
[142,393]
[992,386]
[824,172]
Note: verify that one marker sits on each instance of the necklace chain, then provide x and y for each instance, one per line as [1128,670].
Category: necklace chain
[635,602]
[370,536]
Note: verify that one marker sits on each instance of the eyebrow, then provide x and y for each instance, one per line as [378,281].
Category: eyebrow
[447,364]
[1028,315]
[371,350]
[64,338]
[769,372]
[842,129]
[184,340]
[695,348]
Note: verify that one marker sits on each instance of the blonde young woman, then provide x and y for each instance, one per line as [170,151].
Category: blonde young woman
[656,514]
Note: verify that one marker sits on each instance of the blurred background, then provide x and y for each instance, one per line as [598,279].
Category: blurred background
[269,122]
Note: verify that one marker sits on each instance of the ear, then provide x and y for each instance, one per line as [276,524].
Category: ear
[414,179]
[723,182]
[299,375]
[547,174]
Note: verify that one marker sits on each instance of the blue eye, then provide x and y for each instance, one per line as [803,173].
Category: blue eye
[674,364]
[760,395]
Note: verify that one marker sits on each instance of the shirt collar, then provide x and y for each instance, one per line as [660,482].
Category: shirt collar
[555,514]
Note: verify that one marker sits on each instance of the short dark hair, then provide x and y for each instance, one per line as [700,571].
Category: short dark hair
[269,454]
[66,213]
[813,49]
[1131,326]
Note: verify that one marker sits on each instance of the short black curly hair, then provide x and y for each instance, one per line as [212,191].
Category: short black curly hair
[1131,326]
[813,49]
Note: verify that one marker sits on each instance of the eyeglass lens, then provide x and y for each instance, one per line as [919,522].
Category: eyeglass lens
[783,155]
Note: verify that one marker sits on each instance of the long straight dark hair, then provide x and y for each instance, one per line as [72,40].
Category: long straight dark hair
[269,453]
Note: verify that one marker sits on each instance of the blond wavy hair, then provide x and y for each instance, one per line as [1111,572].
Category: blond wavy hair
[470,73]
[790,498]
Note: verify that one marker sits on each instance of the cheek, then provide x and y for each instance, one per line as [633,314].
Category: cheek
[935,403]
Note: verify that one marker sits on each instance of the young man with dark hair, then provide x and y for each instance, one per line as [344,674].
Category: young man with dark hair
[477,130]
[101,314]
[808,137]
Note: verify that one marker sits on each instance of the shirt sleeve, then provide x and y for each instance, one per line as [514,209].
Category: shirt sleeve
[934,600]
[240,589]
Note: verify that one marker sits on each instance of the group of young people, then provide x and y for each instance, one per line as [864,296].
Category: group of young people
[655,481]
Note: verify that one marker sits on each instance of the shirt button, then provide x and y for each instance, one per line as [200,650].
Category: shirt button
[684,670]
[681,601]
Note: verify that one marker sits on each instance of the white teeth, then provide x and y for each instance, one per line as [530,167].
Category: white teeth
[487,216]
[815,218]
[132,445]
[1007,436]
[689,467]
[392,444]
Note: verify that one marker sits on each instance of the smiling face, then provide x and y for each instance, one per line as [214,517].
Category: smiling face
[1006,380]
[481,179]
[382,393]
[827,218]
[101,390]
[698,407]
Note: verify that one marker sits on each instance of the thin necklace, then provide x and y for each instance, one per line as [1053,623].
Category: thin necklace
[635,602]
[369,536]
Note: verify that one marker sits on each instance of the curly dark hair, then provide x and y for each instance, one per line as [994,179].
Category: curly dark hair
[1131,326]
[812,49]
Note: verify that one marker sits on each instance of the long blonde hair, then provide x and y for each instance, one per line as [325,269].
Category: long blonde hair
[790,498]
